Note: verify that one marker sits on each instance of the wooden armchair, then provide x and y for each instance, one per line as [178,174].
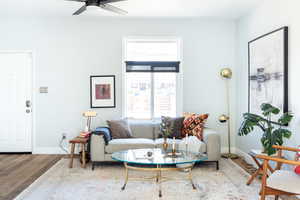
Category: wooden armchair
[280,182]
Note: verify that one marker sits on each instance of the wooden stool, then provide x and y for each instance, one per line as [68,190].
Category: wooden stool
[253,154]
[82,142]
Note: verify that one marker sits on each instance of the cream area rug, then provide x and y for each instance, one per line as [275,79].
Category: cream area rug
[105,182]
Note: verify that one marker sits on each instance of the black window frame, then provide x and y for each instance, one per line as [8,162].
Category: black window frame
[153,66]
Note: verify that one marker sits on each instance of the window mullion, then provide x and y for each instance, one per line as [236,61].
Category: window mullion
[152,96]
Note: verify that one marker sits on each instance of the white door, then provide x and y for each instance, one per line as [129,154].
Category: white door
[15,101]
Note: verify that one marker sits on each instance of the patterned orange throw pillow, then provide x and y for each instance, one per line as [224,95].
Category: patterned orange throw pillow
[193,125]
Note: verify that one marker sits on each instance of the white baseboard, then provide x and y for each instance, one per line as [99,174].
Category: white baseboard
[48,150]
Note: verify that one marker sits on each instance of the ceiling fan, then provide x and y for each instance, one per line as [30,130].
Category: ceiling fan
[104,4]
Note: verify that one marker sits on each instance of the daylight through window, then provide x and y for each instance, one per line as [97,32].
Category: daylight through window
[150,95]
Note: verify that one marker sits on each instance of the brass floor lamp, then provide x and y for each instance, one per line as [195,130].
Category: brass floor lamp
[226,73]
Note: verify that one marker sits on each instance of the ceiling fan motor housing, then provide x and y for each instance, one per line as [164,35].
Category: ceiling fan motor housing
[93,2]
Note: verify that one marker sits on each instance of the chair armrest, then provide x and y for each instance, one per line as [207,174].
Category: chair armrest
[286,148]
[279,160]
[213,144]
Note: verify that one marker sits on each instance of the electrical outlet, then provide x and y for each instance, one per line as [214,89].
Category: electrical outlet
[64,136]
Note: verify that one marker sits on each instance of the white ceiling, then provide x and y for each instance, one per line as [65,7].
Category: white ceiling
[229,9]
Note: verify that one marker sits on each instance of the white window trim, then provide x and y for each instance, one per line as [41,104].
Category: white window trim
[179,76]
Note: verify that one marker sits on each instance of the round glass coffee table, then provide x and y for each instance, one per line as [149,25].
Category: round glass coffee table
[157,160]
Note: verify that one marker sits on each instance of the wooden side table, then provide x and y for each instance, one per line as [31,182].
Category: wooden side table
[82,142]
[253,153]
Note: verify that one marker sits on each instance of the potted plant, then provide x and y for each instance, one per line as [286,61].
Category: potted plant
[166,129]
[273,131]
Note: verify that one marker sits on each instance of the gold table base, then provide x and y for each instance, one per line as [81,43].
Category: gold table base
[158,178]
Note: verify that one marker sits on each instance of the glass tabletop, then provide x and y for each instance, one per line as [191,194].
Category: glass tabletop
[157,157]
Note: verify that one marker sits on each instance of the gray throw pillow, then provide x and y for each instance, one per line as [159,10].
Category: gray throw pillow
[176,124]
[119,129]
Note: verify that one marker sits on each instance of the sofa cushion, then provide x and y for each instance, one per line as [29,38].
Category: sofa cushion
[284,180]
[194,125]
[175,124]
[129,143]
[119,129]
[142,129]
[179,144]
[194,144]
[156,130]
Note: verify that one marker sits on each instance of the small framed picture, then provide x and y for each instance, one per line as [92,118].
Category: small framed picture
[102,89]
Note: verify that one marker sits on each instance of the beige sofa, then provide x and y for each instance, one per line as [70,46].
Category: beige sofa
[146,136]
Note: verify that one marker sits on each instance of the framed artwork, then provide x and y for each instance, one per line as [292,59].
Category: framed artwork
[102,90]
[268,70]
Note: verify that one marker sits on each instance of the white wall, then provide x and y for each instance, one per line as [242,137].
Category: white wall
[68,50]
[270,15]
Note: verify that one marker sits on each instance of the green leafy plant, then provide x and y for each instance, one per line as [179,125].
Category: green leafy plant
[273,131]
[166,127]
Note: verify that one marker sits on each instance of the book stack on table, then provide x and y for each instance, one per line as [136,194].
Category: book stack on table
[84,134]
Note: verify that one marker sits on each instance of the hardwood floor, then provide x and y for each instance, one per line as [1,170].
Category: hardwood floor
[18,171]
[250,169]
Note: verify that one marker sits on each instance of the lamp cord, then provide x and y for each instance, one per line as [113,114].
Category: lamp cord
[62,146]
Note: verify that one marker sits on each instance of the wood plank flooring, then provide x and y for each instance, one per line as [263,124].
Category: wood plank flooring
[250,169]
[18,171]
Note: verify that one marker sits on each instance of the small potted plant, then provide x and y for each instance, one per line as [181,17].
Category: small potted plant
[273,131]
[166,128]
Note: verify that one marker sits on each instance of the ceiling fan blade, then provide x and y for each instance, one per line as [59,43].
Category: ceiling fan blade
[77,0]
[81,10]
[113,9]
[110,1]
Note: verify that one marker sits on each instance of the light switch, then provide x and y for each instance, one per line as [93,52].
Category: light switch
[43,90]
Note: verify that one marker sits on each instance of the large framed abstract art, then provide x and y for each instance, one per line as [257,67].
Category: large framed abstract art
[102,90]
[268,70]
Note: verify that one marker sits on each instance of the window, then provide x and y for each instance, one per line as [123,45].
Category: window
[151,78]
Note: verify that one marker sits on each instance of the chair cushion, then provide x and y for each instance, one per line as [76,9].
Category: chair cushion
[297,170]
[130,143]
[142,129]
[284,180]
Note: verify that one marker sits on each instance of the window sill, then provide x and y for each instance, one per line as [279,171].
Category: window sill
[153,121]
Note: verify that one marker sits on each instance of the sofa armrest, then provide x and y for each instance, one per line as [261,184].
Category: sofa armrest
[97,148]
[213,144]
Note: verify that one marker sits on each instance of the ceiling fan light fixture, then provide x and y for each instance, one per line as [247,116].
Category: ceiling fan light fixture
[92,7]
